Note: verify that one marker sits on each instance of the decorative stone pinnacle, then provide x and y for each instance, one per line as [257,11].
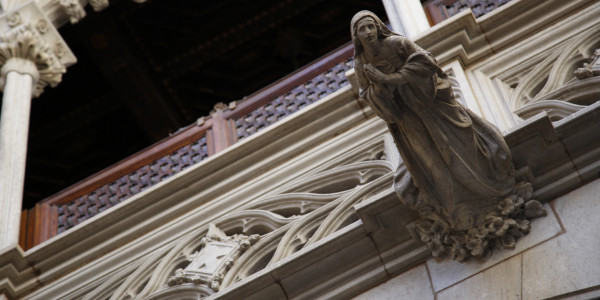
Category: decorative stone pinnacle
[23,42]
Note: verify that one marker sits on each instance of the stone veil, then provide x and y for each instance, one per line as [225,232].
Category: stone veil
[457,171]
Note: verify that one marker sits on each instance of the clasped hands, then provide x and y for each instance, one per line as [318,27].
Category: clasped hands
[378,77]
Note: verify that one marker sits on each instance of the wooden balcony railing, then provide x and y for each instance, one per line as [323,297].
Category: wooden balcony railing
[226,125]
[439,10]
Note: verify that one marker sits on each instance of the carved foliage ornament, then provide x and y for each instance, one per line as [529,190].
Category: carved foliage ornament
[457,172]
[25,43]
[591,68]
[74,9]
[560,80]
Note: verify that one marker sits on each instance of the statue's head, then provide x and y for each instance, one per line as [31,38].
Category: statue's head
[363,17]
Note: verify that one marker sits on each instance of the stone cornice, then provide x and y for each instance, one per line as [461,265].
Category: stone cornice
[470,39]
[27,34]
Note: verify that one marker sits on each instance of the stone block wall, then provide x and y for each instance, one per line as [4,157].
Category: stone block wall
[559,259]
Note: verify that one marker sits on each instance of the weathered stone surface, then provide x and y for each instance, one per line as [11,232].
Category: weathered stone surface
[413,284]
[571,261]
[447,273]
[501,282]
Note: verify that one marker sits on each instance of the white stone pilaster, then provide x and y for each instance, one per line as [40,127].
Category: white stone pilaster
[407,17]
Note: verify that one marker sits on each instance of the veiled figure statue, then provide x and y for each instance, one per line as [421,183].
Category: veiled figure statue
[457,172]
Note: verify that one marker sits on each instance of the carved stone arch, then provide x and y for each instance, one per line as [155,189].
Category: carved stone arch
[176,259]
[371,150]
[298,210]
[556,109]
[552,85]
[255,259]
[151,275]
[340,179]
[292,204]
[343,212]
[107,288]
[300,232]
[182,292]
[252,221]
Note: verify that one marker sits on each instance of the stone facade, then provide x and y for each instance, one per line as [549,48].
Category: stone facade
[305,208]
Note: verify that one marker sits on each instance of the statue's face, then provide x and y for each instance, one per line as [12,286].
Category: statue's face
[366,31]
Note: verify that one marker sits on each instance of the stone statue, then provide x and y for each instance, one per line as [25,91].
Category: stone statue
[457,172]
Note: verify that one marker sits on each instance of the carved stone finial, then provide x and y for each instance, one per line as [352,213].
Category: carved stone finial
[457,170]
[25,43]
[219,107]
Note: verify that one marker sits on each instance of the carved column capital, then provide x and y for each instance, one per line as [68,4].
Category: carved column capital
[29,44]
[22,45]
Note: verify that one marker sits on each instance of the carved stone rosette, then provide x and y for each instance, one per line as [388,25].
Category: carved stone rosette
[23,42]
[218,254]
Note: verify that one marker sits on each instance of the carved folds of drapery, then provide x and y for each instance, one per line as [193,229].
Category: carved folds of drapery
[23,42]
[458,172]
[258,235]
[561,82]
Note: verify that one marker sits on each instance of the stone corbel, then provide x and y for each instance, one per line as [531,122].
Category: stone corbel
[29,36]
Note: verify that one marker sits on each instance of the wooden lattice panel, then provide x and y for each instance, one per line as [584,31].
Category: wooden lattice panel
[302,95]
[108,195]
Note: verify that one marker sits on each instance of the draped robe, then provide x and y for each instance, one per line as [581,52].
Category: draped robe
[458,164]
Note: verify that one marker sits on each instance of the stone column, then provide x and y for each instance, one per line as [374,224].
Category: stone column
[19,75]
[32,56]
[407,17]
